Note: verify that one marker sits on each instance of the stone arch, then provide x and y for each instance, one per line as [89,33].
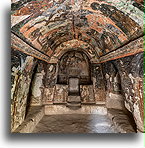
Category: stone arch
[74,45]
[74,63]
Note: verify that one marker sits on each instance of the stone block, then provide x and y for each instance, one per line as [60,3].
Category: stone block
[115,101]
[85,109]
[73,86]
[36,114]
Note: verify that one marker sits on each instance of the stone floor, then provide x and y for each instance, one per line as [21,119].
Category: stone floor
[87,119]
[123,120]
[75,123]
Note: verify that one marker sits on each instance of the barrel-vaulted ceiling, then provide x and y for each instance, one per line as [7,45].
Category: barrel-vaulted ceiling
[98,26]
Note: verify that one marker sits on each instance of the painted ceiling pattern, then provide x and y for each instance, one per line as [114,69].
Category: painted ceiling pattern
[98,26]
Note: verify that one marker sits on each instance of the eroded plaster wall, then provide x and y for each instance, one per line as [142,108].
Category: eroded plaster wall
[98,83]
[21,74]
[50,84]
[105,29]
[37,87]
[130,70]
[46,90]
[114,97]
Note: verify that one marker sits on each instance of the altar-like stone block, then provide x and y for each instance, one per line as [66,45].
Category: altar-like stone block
[74,99]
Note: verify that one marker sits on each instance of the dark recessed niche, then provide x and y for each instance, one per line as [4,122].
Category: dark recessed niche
[74,64]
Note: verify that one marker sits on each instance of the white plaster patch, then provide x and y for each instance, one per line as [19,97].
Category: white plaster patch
[107,76]
[137,116]
[132,78]
[29,60]
[133,91]
[14,1]
[51,68]
[36,91]
[130,97]
[126,95]
[17,19]
[115,79]
[127,106]
[121,62]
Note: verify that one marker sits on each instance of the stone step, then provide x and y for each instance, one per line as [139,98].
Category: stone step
[73,104]
[74,99]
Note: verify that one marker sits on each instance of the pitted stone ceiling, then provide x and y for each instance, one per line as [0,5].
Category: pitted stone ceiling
[100,26]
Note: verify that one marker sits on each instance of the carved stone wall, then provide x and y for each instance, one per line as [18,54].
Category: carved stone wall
[37,86]
[110,32]
[98,83]
[49,83]
[21,74]
[74,63]
[130,70]
[87,94]
[61,93]
[58,93]
[44,89]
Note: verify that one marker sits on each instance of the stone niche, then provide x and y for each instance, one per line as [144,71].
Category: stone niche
[124,84]
[74,71]
[74,64]
[114,96]
[37,86]
[98,88]
[132,74]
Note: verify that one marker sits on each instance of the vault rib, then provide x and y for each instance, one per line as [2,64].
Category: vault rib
[129,49]
[18,44]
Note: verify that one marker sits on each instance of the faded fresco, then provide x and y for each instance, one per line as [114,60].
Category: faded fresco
[77,57]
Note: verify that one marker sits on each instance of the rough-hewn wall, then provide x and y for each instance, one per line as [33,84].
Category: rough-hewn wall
[105,29]
[57,93]
[98,83]
[37,87]
[130,71]
[46,90]
[50,85]
[21,73]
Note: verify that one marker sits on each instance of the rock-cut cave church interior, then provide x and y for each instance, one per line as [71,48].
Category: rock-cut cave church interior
[77,66]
